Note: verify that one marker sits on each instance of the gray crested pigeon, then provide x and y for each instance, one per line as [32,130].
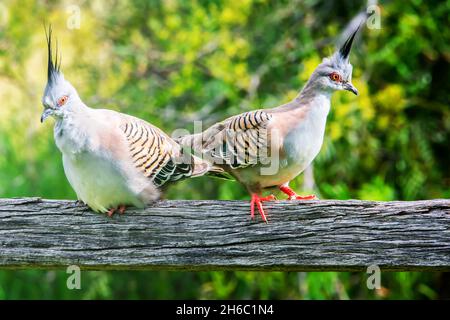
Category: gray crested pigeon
[111,159]
[244,144]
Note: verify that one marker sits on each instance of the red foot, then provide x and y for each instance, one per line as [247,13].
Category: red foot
[258,201]
[308,197]
[111,212]
[294,196]
[121,210]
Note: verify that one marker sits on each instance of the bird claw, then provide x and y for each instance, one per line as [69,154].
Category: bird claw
[121,210]
[308,197]
[258,201]
[111,211]
[294,196]
[268,198]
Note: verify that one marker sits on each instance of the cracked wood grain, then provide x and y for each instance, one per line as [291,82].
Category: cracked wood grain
[219,235]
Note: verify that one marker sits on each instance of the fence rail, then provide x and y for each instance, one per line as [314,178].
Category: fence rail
[219,235]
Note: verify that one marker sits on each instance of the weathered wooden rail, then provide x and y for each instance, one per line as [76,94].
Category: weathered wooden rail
[219,235]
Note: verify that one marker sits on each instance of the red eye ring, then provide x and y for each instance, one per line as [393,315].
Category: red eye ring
[62,100]
[336,77]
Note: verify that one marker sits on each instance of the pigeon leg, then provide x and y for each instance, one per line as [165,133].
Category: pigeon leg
[122,209]
[294,196]
[257,200]
[111,212]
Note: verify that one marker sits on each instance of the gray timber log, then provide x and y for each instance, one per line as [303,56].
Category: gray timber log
[219,235]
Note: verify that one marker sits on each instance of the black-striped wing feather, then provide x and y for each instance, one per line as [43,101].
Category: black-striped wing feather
[153,154]
[240,141]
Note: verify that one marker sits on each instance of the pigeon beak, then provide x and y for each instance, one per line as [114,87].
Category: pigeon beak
[350,87]
[47,112]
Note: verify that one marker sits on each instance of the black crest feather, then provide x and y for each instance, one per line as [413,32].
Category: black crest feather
[53,68]
[347,46]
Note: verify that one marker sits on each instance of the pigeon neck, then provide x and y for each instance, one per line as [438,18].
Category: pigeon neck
[314,99]
[312,92]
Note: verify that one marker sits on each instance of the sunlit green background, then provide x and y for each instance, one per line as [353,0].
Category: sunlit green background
[173,62]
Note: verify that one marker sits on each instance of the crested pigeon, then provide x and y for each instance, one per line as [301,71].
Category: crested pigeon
[111,159]
[292,133]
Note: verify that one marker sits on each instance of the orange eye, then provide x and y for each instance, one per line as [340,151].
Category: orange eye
[335,77]
[62,100]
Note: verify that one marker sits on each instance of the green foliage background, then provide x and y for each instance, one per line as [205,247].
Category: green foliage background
[173,62]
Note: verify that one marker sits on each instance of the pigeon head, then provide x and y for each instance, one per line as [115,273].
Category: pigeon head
[335,72]
[59,94]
